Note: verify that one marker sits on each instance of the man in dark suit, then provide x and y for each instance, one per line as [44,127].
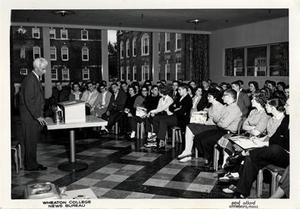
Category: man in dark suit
[115,109]
[243,100]
[31,112]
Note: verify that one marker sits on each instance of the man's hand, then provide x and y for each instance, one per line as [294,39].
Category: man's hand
[42,121]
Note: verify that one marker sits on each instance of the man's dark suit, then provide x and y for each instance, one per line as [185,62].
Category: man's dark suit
[116,108]
[244,103]
[31,107]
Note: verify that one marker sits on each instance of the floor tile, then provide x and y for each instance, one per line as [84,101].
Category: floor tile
[171,171]
[115,178]
[106,184]
[107,170]
[200,188]
[178,185]
[156,182]
[100,191]
[116,194]
[87,181]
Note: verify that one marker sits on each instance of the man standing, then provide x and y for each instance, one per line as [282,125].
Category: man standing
[31,112]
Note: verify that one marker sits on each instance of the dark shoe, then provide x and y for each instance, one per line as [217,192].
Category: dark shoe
[39,168]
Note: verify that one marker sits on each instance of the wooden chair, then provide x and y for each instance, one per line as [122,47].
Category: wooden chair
[276,173]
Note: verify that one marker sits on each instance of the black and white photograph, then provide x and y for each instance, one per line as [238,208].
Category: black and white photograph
[139,105]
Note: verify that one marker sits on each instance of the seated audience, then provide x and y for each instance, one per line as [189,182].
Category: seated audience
[254,125]
[179,115]
[75,94]
[243,100]
[287,92]
[162,111]
[277,153]
[192,129]
[89,97]
[102,101]
[228,122]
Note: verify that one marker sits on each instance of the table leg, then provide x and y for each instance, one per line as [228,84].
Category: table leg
[73,165]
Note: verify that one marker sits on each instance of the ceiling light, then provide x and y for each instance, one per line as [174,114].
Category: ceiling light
[63,12]
[196,21]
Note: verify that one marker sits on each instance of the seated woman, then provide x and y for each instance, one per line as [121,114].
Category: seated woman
[192,129]
[255,124]
[129,105]
[160,112]
[138,104]
[253,88]
[277,153]
[75,94]
[199,101]
[180,116]
[227,122]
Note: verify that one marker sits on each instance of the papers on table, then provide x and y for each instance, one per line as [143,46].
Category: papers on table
[249,143]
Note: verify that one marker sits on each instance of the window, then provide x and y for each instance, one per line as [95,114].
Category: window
[54,75]
[84,35]
[279,59]
[36,33]
[178,42]
[53,55]
[145,72]
[128,76]
[145,44]
[134,73]
[23,71]
[85,74]
[134,52]
[257,61]
[64,34]
[52,33]
[85,53]
[264,60]
[64,53]
[122,49]
[167,42]
[167,72]
[36,52]
[179,74]
[122,73]
[127,48]
[65,74]
[22,53]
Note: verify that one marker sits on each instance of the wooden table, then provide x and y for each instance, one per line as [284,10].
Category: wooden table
[91,121]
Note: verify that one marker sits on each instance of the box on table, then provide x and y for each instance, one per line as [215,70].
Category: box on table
[73,112]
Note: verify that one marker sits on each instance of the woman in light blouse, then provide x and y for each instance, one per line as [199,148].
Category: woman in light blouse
[192,129]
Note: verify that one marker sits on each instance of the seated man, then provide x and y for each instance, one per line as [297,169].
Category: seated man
[89,97]
[162,111]
[227,122]
[102,101]
[181,115]
[115,109]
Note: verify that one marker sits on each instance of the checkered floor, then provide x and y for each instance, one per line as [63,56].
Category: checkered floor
[119,168]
